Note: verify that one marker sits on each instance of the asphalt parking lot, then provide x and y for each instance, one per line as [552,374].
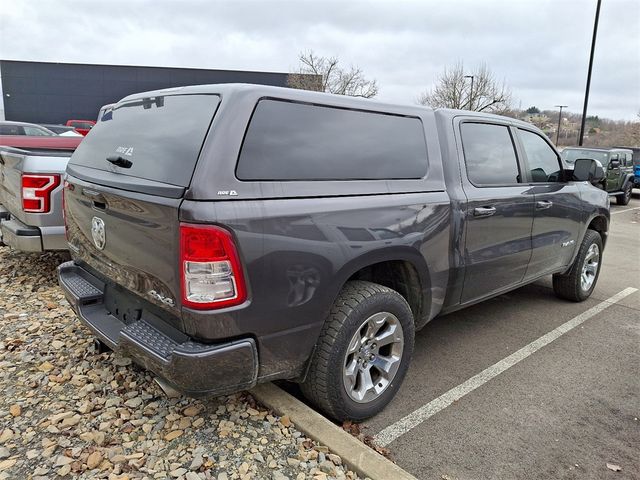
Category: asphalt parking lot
[568,406]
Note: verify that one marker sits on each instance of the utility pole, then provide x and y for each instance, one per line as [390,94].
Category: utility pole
[470,102]
[586,93]
[559,120]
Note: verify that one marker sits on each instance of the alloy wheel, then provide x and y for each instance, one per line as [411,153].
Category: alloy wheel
[373,357]
[590,267]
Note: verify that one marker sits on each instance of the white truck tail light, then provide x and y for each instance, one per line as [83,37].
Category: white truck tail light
[211,272]
[36,191]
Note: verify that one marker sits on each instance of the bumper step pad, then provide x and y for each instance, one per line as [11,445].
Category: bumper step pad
[142,333]
[191,367]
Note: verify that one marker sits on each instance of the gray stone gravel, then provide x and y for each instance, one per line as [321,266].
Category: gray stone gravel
[68,412]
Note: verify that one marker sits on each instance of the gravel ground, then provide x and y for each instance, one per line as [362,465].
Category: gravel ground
[67,411]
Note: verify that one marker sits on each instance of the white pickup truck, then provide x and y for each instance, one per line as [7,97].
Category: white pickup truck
[31,184]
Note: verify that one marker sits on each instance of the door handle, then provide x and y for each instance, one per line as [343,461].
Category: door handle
[120,161]
[97,199]
[97,196]
[484,211]
[544,204]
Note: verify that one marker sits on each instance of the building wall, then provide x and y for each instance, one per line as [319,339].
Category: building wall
[41,92]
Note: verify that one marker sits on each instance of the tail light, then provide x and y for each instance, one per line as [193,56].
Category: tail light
[36,191]
[211,271]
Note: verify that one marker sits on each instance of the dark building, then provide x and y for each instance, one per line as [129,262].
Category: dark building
[43,92]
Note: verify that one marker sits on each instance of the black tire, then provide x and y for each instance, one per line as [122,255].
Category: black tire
[625,197]
[568,285]
[324,385]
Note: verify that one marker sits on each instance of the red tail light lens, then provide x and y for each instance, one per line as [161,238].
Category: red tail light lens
[36,191]
[211,271]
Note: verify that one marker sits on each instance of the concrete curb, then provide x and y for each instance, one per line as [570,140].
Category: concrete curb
[363,460]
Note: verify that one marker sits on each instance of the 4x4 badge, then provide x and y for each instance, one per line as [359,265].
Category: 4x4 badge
[161,298]
[98,232]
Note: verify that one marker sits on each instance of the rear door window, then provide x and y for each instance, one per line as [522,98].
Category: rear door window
[295,141]
[11,130]
[161,136]
[489,154]
[36,132]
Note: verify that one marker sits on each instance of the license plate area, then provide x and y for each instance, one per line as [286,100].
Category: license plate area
[124,307]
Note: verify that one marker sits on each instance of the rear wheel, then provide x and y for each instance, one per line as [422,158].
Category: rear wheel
[625,197]
[362,354]
[578,284]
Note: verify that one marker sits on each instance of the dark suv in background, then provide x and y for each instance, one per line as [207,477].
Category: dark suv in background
[618,164]
[275,233]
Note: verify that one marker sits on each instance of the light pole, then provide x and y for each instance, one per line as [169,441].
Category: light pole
[586,93]
[559,120]
[470,102]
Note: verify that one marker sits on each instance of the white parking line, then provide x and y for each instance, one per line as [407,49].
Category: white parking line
[415,418]
[625,210]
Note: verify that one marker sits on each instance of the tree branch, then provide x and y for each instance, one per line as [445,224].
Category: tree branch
[333,78]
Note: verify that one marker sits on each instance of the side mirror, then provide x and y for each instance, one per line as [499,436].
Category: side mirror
[588,170]
[614,164]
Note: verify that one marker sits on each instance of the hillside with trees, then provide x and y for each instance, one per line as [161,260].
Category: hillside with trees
[599,132]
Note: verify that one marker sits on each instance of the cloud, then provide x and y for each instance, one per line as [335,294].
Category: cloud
[540,48]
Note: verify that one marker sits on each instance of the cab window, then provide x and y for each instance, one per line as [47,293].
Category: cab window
[11,130]
[36,132]
[543,162]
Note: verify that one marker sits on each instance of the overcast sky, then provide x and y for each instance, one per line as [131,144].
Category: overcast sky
[539,47]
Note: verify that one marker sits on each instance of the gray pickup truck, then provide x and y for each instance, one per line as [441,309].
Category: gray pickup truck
[225,235]
[31,198]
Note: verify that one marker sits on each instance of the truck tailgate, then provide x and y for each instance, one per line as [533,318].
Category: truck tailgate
[13,163]
[131,239]
[125,185]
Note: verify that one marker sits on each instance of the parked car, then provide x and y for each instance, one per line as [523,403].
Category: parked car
[61,129]
[55,142]
[285,234]
[636,164]
[22,128]
[81,126]
[31,191]
[618,164]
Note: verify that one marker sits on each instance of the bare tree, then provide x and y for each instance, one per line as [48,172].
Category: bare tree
[454,90]
[323,74]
